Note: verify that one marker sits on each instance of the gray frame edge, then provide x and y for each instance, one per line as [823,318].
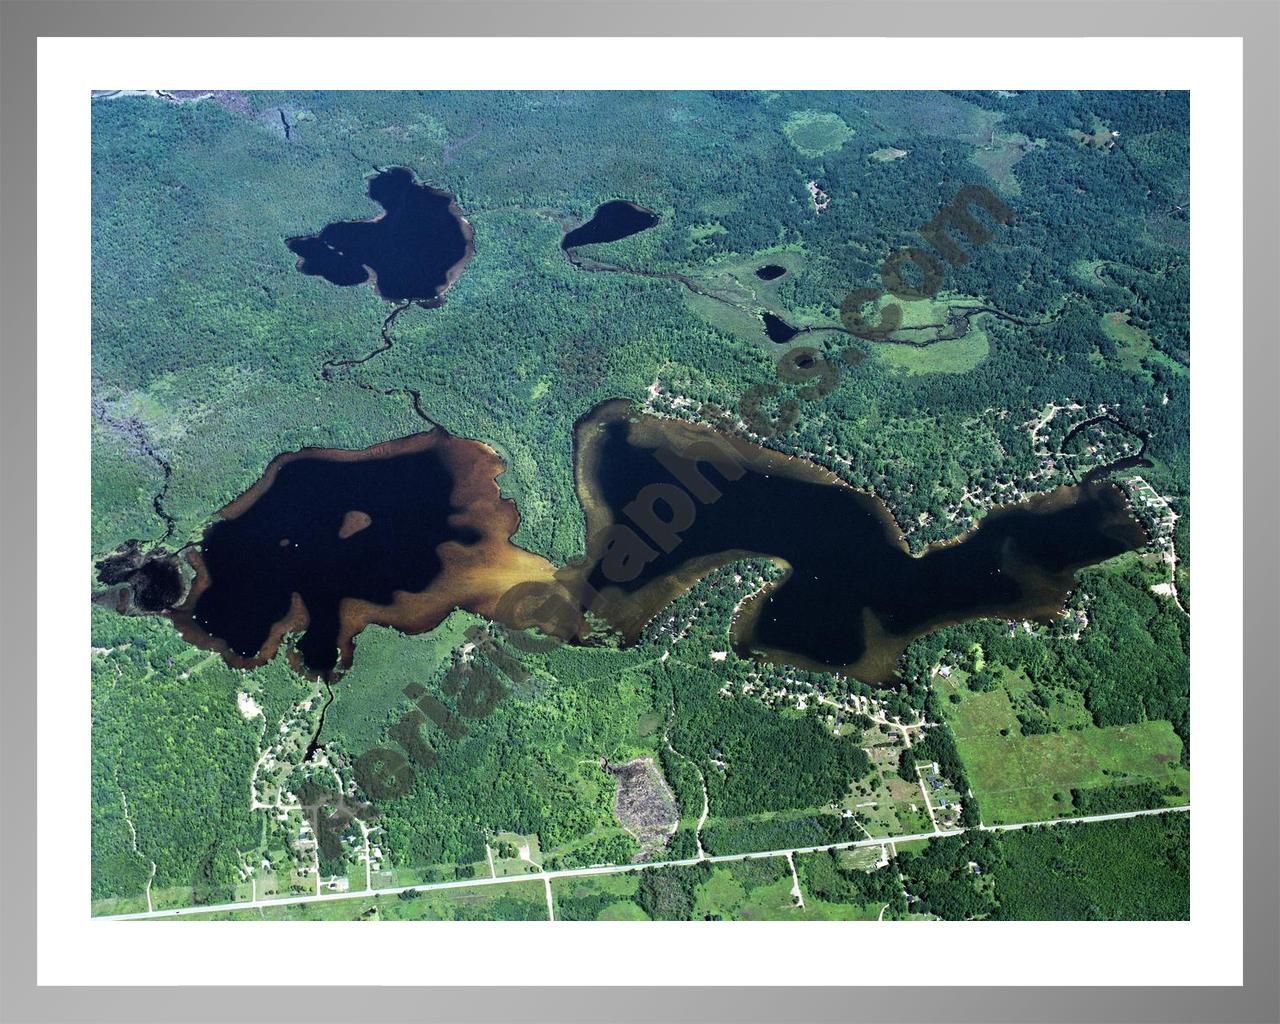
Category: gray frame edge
[1257,21]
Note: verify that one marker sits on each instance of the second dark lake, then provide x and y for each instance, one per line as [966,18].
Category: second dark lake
[612,221]
[853,597]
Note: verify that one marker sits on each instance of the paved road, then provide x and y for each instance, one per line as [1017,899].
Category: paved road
[609,869]
[1092,817]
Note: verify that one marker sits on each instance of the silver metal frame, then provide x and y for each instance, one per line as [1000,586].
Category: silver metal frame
[1258,23]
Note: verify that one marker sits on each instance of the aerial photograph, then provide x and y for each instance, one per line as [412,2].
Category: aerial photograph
[637,506]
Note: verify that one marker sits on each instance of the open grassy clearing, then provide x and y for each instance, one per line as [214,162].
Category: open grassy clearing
[598,898]
[815,133]
[1101,137]
[958,356]
[709,229]
[119,905]
[1087,271]
[889,153]
[737,271]
[928,312]
[750,890]
[739,322]
[741,295]
[1135,344]
[999,155]
[515,854]
[757,889]
[1030,778]
[915,346]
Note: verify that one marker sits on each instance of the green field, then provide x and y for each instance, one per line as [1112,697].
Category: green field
[998,158]
[1135,345]
[754,889]
[597,898]
[758,889]
[959,355]
[1030,778]
[815,133]
[927,312]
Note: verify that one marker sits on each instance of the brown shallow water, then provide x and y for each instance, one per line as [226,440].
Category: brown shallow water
[329,541]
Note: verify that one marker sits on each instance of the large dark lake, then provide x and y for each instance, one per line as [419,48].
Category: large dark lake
[329,540]
[414,250]
[854,596]
[612,221]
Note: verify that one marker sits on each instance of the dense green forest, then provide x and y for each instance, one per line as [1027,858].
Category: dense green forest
[1134,869]
[212,354]
[170,747]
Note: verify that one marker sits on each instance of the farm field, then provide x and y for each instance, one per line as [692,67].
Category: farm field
[1030,778]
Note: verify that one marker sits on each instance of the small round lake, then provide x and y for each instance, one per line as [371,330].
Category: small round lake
[778,329]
